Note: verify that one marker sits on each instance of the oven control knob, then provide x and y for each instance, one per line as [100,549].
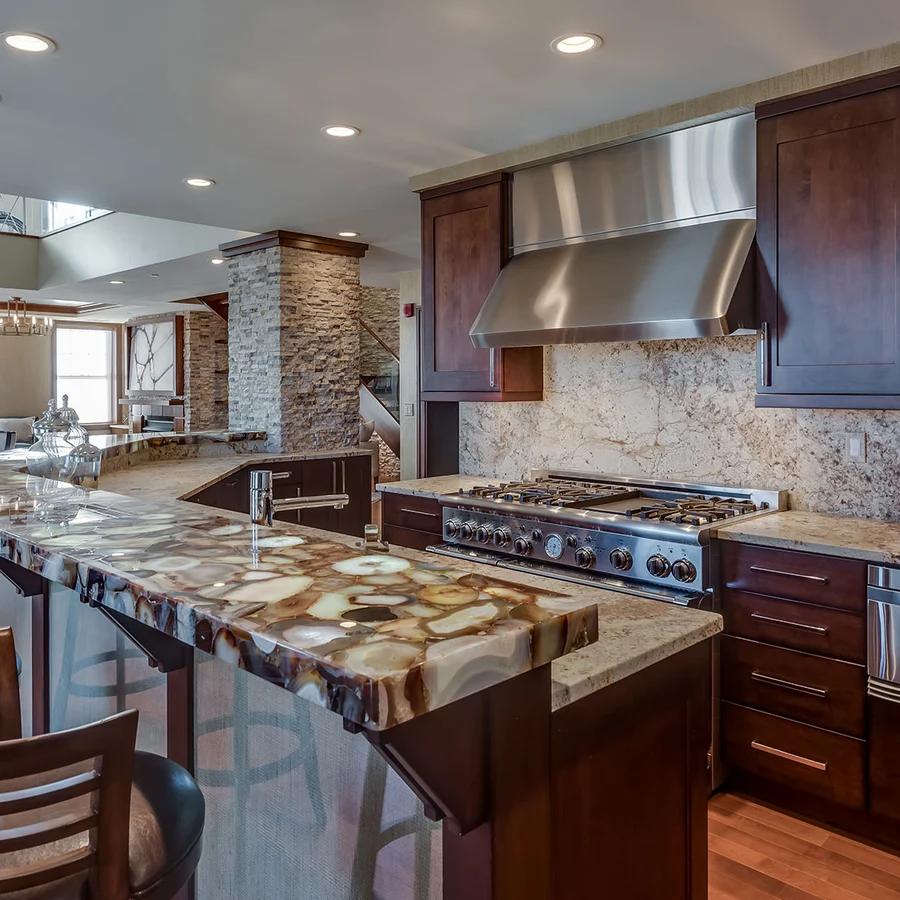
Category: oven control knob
[522,546]
[483,533]
[501,537]
[536,535]
[684,570]
[584,557]
[466,530]
[452,528]
[659,566]
[572,541]
[621,559]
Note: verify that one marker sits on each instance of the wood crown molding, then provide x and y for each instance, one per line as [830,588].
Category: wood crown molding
[294,240]
[720,105]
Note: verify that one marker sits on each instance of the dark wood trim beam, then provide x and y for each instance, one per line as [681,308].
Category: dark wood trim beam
[855,87]
[40,660]
[296,241]
[217,303]
[827,401]
[464,185]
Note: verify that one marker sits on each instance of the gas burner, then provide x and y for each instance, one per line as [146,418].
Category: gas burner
[558,494]
[696,510]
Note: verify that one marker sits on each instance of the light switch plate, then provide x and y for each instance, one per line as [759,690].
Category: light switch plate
[855,447]
[409,409]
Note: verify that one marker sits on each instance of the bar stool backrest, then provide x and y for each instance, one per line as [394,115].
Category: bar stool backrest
[105,752]
[10,711]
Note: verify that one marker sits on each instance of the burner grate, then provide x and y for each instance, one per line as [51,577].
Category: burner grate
[695,510]
[559,494]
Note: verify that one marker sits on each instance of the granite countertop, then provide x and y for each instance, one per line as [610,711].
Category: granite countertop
[435,487]
[872,540]
[178,479]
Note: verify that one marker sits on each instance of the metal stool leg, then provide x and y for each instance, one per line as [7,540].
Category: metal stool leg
[371,838]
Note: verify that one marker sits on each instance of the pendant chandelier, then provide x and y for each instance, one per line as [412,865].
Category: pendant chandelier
[16,320]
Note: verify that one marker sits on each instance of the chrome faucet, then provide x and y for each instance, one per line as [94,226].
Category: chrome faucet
[263,504]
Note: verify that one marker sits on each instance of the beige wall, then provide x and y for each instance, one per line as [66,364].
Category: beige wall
[25,380]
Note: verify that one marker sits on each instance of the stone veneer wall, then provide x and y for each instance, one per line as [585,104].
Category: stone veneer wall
[379,308]
[294,347]
[684,410]
[205,372]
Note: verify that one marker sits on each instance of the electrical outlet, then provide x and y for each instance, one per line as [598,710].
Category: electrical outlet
[855,447]
[409,409]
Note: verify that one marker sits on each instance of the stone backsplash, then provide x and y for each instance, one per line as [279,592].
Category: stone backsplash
[684,410]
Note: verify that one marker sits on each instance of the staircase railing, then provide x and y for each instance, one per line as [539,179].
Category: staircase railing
[379,385]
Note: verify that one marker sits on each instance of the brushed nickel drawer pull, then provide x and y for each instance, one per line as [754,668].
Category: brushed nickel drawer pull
[817,578]
[789,685]
[791,757]
[803,627]
[419,512]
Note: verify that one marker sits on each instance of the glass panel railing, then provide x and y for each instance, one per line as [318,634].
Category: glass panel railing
[379,370]
[27,215]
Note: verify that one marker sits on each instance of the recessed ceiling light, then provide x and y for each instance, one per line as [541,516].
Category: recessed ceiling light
[199,182]
[348,234]
[30,43]
[217,262]
[576,43]
[340,130]
[154,275]
[116,281]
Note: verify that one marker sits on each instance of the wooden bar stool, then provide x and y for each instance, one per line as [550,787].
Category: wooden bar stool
[85,817]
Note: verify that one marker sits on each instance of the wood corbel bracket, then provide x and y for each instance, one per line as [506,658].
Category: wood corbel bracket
[26,582]
[444,758]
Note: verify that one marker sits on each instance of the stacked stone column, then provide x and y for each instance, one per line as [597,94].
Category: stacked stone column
[293,340]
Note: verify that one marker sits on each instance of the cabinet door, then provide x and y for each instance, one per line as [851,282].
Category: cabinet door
[828,195]
[319,476]
[464,246]
[884,758]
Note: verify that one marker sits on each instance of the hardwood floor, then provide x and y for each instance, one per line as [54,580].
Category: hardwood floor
[756,853]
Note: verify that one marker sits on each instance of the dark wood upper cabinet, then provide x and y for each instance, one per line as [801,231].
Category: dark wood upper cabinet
[465,244]
[829,246]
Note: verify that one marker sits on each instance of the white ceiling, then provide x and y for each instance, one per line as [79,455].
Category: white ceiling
[141,94]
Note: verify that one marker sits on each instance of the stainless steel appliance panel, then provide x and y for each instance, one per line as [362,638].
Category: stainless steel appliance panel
[884,632]
[704,171]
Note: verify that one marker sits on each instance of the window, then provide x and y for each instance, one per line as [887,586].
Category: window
[86,371]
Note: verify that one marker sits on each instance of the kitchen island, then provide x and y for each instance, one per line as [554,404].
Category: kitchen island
[482,694]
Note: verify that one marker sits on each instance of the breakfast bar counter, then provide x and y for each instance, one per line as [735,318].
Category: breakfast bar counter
[454,676]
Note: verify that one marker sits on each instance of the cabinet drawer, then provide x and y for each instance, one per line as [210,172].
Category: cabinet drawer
[397,536]
[808,759]
[824,580]
[797,626]
[812,689]
[408,511]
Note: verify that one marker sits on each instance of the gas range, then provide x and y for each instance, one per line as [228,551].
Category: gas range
[644,537]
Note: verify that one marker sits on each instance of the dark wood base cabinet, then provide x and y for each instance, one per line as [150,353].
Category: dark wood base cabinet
[798,730]
[411,521]
[630,786]
[884,758]
[305,478]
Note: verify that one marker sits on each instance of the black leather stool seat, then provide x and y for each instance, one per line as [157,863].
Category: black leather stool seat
[165,832]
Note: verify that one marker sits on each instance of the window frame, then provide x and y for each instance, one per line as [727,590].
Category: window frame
[116,390]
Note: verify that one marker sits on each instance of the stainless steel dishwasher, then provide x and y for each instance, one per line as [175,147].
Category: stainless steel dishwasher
[884,690]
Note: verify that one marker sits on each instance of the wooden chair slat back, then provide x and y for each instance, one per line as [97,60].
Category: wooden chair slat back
[110,745]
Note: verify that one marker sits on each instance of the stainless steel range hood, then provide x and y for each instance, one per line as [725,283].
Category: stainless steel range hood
[646,241]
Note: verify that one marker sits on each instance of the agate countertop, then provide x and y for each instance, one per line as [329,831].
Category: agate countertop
[378,638]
